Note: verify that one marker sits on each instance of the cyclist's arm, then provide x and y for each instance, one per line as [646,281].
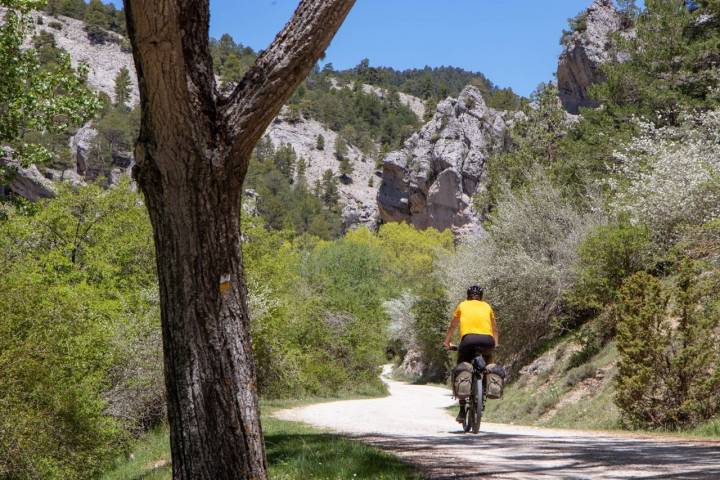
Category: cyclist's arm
[451,329]
[496,335]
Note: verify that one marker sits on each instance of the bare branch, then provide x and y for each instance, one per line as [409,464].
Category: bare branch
[279,70]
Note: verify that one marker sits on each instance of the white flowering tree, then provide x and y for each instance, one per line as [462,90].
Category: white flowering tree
[669,177]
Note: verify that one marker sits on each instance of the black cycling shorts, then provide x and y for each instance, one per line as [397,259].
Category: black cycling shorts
[473,345]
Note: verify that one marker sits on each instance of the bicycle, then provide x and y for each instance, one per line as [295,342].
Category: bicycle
[475,403]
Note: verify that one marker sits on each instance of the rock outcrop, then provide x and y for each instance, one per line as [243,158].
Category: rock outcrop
[430,182]
[585,50]
[26,182]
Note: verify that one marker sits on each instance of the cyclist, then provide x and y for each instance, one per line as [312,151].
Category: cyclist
[478,331]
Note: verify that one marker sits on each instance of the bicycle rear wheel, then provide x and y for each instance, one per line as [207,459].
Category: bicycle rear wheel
[477,404]
[469,413]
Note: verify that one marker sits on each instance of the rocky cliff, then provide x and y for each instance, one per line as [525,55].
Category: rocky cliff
[104,61]
[430,182]
[586,49]
[357,194]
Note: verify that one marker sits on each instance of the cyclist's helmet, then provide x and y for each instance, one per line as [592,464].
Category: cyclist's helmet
[475,292]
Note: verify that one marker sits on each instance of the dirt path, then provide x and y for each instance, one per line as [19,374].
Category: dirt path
[414,424]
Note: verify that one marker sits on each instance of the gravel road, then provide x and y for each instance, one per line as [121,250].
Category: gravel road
[414,424]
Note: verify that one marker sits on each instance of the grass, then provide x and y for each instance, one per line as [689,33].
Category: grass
[294,452]
[526,402]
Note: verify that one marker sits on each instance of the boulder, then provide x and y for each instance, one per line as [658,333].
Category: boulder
[80,145]
[413,365]
[26,182]
[585,51]
[68,175]
[430,182]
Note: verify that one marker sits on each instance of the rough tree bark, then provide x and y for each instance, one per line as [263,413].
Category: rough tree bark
[192,155]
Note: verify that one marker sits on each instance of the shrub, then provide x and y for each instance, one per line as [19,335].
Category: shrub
[55,25]
[578,374]
[609,255]
[430,312]
[70,334]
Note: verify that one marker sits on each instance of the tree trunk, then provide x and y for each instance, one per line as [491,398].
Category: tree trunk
[192,156]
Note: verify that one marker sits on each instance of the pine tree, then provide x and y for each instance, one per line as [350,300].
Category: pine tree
[72,8]
[643,333]
[284,159]
[346,168]
[694,383]
[122,89]
[669,378]
[329,189]
[320,144]
[97,21]
[341,148]
[301,168]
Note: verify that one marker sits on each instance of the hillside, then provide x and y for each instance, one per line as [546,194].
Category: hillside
[589,212]
[312,113]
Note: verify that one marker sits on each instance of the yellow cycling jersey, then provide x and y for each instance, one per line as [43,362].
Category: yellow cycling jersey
[475,316]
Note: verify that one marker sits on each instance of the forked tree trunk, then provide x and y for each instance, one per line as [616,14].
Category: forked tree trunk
[192,156]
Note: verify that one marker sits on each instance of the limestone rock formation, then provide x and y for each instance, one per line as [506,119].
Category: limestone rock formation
[430,182]
[584,52]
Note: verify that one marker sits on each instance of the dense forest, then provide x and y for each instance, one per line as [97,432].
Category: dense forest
[603,228]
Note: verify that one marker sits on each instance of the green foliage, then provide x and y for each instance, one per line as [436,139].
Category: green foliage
[431,320]
[535,142]
[73,273]
[661,75]
[37,98]
[284,198]
[643,333]
[97,15]
[123,87]
[231,60]
[363,118]
[609,255]
[118,129]
[669,377]
[97,21]
[346,168]
[341,148]
[328,189]
[320,143]
[431,84]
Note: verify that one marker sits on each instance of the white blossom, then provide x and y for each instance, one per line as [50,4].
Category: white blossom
[669,177]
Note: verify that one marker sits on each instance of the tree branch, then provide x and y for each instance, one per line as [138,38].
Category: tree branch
[278,71]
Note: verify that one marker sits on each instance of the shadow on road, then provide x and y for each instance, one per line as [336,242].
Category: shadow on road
[522,456]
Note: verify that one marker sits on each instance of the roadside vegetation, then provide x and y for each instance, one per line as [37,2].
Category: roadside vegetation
[604,229]
[602,256]
[294,451]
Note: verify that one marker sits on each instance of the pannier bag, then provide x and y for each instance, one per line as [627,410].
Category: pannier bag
[462,380]
[495,375]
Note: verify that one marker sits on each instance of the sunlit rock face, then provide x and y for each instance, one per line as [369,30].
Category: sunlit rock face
[585,51]
[431,181]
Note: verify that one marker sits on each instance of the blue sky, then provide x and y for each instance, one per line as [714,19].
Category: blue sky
[513,42]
